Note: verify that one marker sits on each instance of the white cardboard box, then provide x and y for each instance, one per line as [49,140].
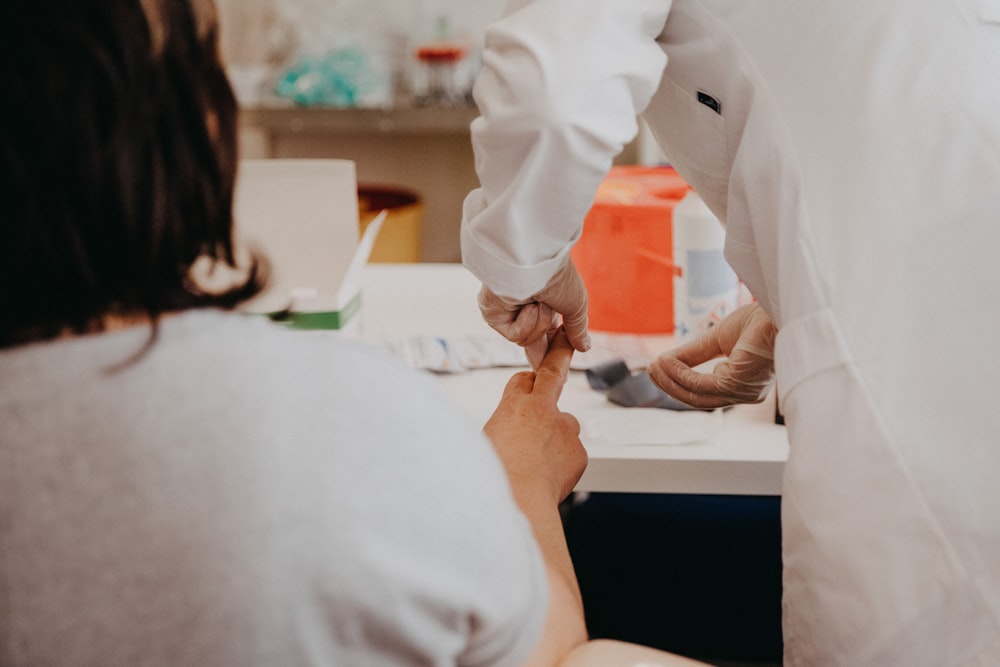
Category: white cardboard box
[302,215]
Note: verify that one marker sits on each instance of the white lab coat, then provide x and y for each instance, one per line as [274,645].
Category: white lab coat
[855,160]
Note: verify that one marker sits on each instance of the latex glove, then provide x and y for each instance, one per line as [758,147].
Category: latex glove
[531,322]
[538,444]
[746,337]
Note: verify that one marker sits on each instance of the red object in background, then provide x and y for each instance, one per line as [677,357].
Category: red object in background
[440,53]
[441,60]
[625,254]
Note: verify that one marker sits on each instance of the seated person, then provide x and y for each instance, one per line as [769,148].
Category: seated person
[181,484]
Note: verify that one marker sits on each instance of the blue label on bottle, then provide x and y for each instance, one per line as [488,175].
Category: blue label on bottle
[708,274]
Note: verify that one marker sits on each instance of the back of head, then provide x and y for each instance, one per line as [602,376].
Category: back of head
[117,163]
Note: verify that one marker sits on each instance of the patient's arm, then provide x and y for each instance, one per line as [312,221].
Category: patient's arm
[541,450]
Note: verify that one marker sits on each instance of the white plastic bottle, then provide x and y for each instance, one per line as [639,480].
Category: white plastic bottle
[705,287]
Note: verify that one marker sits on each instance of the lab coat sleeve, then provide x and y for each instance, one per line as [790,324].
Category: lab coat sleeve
[562,84]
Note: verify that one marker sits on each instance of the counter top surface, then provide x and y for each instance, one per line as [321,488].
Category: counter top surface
[647,450]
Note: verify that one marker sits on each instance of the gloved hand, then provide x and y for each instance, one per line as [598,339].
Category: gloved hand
[531,322]
[746,337]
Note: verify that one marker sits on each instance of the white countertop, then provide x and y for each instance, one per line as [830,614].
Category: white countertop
[737,451]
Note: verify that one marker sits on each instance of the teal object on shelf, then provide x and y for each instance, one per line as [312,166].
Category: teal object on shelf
[339,78]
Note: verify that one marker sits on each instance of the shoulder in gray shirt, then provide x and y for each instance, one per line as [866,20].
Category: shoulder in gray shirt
[247,495]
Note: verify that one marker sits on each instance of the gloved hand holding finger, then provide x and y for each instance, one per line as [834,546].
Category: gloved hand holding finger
[530,322]
[535,351]
[522,322]
[566,294]
[747,337]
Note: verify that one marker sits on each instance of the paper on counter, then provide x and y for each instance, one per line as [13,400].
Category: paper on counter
[637,350]
[457,354]
[616,426]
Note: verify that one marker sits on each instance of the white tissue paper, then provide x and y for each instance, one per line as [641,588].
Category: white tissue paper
[616,426]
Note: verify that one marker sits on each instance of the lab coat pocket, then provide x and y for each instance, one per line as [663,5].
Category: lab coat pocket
[807,346]
[988,10]
[988,13]
[692,132]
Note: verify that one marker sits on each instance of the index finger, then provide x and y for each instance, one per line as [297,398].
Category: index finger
[703,348]
[699,390]
[554,367]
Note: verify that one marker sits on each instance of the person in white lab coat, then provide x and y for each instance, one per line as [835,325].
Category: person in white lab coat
[852,151]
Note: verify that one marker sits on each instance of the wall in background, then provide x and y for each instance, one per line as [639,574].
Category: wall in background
[401,19]
[275,33]
[268,35]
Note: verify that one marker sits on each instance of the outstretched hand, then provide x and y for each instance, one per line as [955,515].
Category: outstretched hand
[540,448]
[747,338]
[538,444]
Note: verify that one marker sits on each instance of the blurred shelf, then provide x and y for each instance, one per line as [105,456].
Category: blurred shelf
[336,120]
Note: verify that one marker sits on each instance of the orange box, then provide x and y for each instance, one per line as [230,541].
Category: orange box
[625,252]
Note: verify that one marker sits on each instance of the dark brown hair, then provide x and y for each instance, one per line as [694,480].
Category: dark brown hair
[117,163]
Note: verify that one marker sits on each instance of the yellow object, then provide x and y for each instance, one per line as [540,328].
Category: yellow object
[399,239]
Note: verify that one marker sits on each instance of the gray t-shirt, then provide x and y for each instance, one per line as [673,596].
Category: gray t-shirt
[247,495]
